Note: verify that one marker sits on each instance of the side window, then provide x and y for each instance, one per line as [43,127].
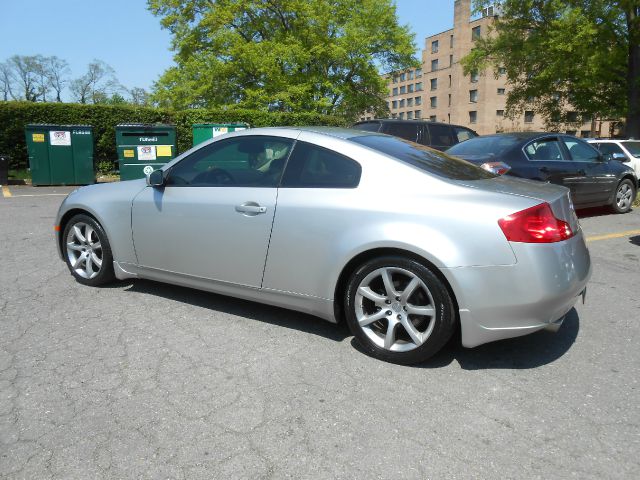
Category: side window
[310,166]
[248,161]
[408,131]
[463,134]
[610,148]
[368,126]
[440,135]
[581,151]
[544,149]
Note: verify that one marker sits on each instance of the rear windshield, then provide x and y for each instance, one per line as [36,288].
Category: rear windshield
[369,126]
[633,147]
[424,158]
[483,146]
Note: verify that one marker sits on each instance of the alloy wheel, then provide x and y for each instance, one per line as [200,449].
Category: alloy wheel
[624,196]
[84,250]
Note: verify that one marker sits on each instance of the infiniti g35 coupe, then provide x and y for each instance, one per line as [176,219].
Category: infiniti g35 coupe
[404,243]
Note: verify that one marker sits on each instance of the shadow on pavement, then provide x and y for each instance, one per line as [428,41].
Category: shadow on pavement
[594,212]
[525,352]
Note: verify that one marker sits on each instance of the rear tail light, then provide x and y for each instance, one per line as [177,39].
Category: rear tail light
[535,225]
[499,168]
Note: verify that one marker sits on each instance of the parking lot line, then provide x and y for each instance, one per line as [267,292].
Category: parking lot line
[608,236]
[6,193]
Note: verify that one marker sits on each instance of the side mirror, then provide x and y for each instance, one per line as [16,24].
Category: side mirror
[606,157]
[621,157]
[156,179]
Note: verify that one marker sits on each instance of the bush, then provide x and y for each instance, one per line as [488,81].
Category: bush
[15,115]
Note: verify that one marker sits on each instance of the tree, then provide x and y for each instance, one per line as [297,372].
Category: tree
[57,73]
[139,96]
[96,85]
[563,56]
[26,70]
[7,79]
[289,55]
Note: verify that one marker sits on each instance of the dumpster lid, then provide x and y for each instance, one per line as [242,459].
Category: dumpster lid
[233,124]
[51,125]
[144,125]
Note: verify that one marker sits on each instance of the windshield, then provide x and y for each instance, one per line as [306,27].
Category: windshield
[633,147]
[483,146]
[424,158]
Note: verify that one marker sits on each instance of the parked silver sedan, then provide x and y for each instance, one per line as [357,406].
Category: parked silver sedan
[403,242]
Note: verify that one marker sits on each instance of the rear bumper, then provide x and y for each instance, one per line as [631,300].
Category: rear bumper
[513,300]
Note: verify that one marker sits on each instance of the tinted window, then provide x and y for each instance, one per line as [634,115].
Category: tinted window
[610,148]
[244,161]
[425,158]
[402,130]
[441,135]
[544,149]
[369,126]
[633,147]
[312,166]
[484,146]
[581,151]
[463,134]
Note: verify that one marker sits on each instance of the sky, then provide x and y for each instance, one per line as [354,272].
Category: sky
[125,35]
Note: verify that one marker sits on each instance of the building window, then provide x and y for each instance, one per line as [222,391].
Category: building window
[449,81]
[501,91]
[449,99]
[502,71]
[395,79]
[585,133]
[451,60]
[433,102]
[418,100]
[401,116]
[410,88]
[395,91]
[403,89]
[474,76]
[394,104]
[434,65]
[403,77]
[475,33]
[432,118]
[499,113]
[410,74]
[572,117]
[418,72]
[409,102]
[434,46]
[401,104]
[473,96]
[528,116]
[417,114]
[572,132]
[419,87]
[434,84]
[451,41]
[394,115]
[409,115]
[473,117]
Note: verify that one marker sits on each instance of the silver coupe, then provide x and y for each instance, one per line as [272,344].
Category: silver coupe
[404,243]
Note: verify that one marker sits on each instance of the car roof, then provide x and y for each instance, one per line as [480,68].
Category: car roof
[413,122]
[337,132]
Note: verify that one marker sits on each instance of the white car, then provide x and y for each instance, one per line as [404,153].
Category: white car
[627,151]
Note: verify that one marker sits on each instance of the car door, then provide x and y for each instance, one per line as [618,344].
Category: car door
[213,217]
[599,181]
[549,162]
[441,136]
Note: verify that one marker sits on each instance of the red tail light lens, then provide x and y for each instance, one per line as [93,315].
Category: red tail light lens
[499,168]
[535,225]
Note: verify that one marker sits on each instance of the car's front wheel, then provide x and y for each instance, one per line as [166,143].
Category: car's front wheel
[399,310]
[624,197]
[87,251]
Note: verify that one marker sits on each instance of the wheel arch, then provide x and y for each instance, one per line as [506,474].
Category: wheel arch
[361,258]
[68,215]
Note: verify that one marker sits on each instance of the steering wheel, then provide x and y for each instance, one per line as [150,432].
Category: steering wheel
[215,176]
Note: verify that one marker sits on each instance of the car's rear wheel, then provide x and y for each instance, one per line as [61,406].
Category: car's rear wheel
[87,251]
[399,310]
[624,197]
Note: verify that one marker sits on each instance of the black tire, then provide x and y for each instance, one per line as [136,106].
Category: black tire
[85,249]
[623,188]
[437,328]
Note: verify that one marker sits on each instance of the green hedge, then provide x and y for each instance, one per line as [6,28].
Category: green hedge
[15,115]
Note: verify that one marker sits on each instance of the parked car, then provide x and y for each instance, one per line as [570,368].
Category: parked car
[594,179]
[626,151]
[432,134]
[404,242]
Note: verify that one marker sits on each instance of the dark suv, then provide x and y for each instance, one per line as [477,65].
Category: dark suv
[433,134]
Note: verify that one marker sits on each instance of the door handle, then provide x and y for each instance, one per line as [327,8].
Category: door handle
[250,208]
[581,172]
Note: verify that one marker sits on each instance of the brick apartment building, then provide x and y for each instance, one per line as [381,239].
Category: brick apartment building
[439,91]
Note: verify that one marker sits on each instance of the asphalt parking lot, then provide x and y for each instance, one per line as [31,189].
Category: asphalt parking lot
[144,380]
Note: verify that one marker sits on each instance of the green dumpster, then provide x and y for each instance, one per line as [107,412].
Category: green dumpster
[207,131]
[144,148]
[60,154]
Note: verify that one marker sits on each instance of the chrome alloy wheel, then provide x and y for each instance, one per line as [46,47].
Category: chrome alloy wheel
[395,309]
[624,196]
[84,250]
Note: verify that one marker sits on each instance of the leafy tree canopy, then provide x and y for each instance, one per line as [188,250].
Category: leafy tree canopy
[562,56]
[286,55]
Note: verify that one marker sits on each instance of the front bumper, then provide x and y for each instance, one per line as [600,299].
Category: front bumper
[513,300]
